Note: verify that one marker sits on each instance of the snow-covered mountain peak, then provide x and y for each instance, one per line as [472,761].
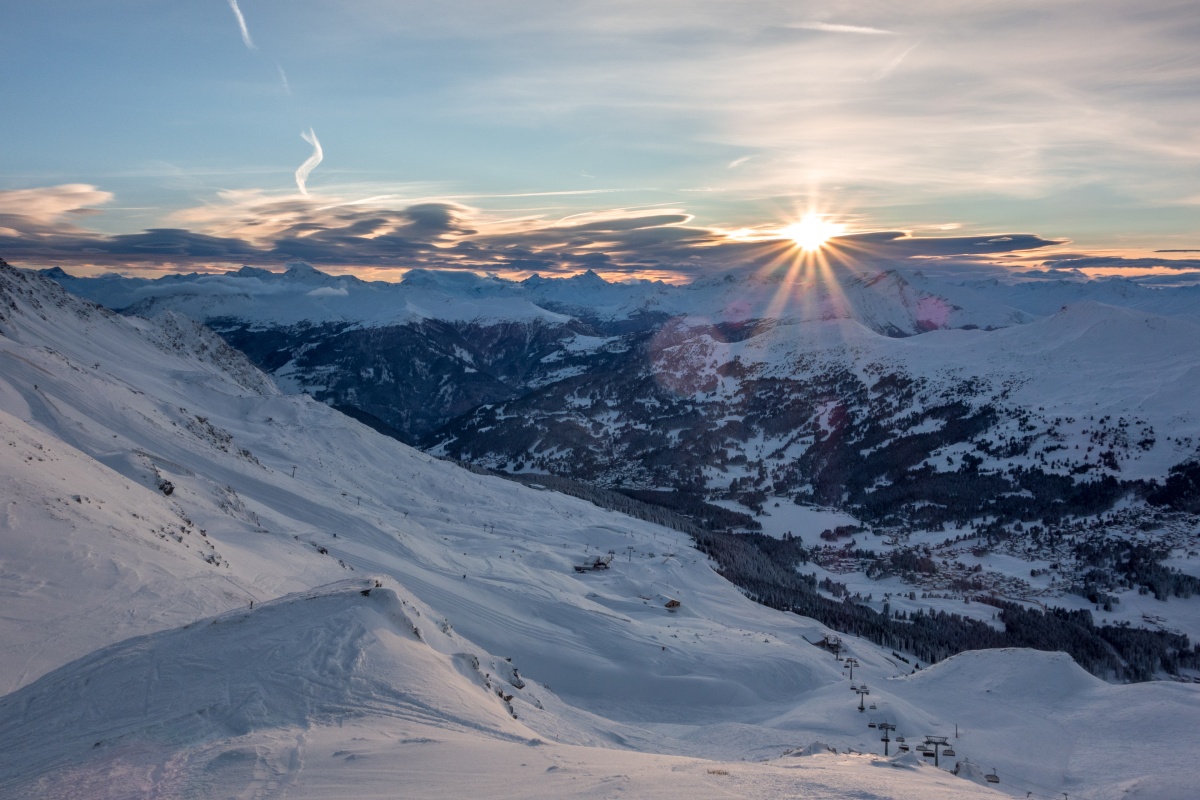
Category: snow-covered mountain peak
[885,302]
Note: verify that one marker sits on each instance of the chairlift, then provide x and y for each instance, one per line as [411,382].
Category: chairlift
[929,754]
[992,777]
[872,706]
[923,749]
[900,739]
[949,751]
[870,724]
[903,748]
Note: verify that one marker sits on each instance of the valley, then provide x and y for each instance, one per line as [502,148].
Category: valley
[1030,442]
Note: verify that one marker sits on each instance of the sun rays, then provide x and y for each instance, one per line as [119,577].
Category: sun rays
[808,255]
[812,232]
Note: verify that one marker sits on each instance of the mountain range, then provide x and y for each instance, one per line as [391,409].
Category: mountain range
[215,588]
[1016,418]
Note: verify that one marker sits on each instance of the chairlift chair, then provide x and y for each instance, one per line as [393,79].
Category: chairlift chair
[870,724]
[903,748]
[949,751]
[992,777]
[872,706]
[900,739]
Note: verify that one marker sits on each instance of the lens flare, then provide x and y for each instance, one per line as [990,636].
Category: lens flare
[811,232]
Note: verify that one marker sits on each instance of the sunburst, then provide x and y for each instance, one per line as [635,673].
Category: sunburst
[812,232]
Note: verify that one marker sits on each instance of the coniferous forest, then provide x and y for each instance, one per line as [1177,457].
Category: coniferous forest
[771,571]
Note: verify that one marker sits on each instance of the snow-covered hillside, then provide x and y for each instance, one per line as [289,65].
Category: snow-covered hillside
[214,589]
[1024,428]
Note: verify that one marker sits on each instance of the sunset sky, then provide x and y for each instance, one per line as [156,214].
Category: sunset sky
[655,138]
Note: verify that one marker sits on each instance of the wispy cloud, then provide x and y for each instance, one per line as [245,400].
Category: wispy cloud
[310,163]
[893,64]
[1120,264]
[241,21]
[1009,99]
[287,87]
[830,27]
[737,162]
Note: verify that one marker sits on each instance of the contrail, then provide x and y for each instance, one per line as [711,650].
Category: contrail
[891,66]
[237,12]
[311,162]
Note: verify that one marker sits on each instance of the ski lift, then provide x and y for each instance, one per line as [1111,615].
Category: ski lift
[853,687]
[870,724]
[992,777]
[923,749]
[903,748]
[929,754]
[872,706]
[900,739]
[949,751]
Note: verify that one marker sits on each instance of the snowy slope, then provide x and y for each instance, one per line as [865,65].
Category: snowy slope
[315,658]
[1085,360]
[326,688]
[1094,726]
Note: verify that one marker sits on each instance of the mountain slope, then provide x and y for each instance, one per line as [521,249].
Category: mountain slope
[1031,446]
[306,703]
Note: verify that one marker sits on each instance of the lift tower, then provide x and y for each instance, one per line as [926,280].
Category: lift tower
[885,727]
[861,691]
[936,742]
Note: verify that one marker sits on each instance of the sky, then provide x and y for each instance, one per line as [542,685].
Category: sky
[656,138]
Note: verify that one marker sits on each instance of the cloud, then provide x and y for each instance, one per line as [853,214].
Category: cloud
[329,291]
[1117,264]
[257,228]
[1003,98]
[25,209]
[894,64]
[829,27]
[175,243]
[221,285]
[310,163]
[241,21]
[898,244]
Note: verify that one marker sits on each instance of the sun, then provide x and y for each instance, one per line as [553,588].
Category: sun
[811,232]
